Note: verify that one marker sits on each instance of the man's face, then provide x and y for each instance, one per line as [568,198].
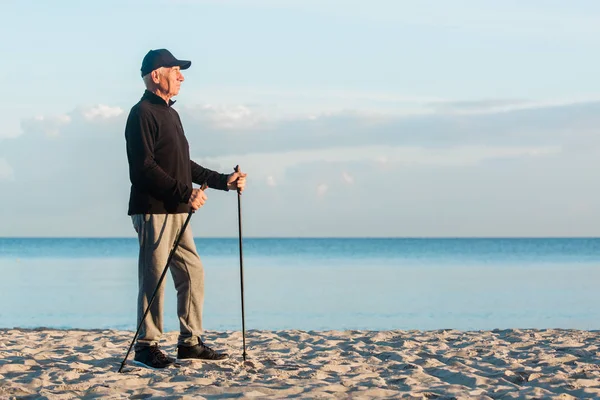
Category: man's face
[169,81]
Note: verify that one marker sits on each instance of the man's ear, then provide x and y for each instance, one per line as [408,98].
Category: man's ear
[155,76]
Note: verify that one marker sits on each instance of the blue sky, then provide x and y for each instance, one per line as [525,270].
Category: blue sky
[352,118]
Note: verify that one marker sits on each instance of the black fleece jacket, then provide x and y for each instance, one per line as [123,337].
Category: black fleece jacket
[160,168]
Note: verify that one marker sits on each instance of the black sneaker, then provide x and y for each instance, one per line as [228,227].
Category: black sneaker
[199,352]
[153,357]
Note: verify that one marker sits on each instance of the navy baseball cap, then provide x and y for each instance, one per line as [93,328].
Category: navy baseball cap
[161,58]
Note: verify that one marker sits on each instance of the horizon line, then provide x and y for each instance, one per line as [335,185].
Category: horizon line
[316,237]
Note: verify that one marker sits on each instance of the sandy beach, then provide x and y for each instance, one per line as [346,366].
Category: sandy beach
[444,364]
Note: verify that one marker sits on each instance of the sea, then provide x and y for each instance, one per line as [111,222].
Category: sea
[314,283]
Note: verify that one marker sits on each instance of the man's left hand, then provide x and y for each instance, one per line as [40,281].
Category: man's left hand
[237,181]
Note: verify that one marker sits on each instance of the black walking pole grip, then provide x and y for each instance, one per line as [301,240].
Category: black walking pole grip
[171,254]
[237,169]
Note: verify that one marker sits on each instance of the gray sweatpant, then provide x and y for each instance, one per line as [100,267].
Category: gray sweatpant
[157,234]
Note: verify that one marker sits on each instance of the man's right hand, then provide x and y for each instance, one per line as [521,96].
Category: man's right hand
[197,199]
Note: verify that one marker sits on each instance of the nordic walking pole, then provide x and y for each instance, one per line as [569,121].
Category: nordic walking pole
[237,169]
[185,224]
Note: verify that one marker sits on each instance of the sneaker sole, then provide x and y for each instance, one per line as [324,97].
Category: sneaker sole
[146,366]
[195,360]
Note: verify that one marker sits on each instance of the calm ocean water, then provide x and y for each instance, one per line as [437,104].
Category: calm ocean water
[315,284]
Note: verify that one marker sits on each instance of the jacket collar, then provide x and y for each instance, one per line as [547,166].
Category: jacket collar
[155,99]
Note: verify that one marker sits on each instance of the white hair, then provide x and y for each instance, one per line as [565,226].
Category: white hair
[148,78]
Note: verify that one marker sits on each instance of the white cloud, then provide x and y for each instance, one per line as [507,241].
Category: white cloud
[6,171]
[56,125]
[263,164]
[349,179]
[464,165]
[315,100]
[464,155]
[10,127]
[225,117]
[47,125]
[470,200]
[531,126]
[381,159]
[101,111]
[322,189]
[479,107]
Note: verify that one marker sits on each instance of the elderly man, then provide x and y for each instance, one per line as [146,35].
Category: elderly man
[162,193]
